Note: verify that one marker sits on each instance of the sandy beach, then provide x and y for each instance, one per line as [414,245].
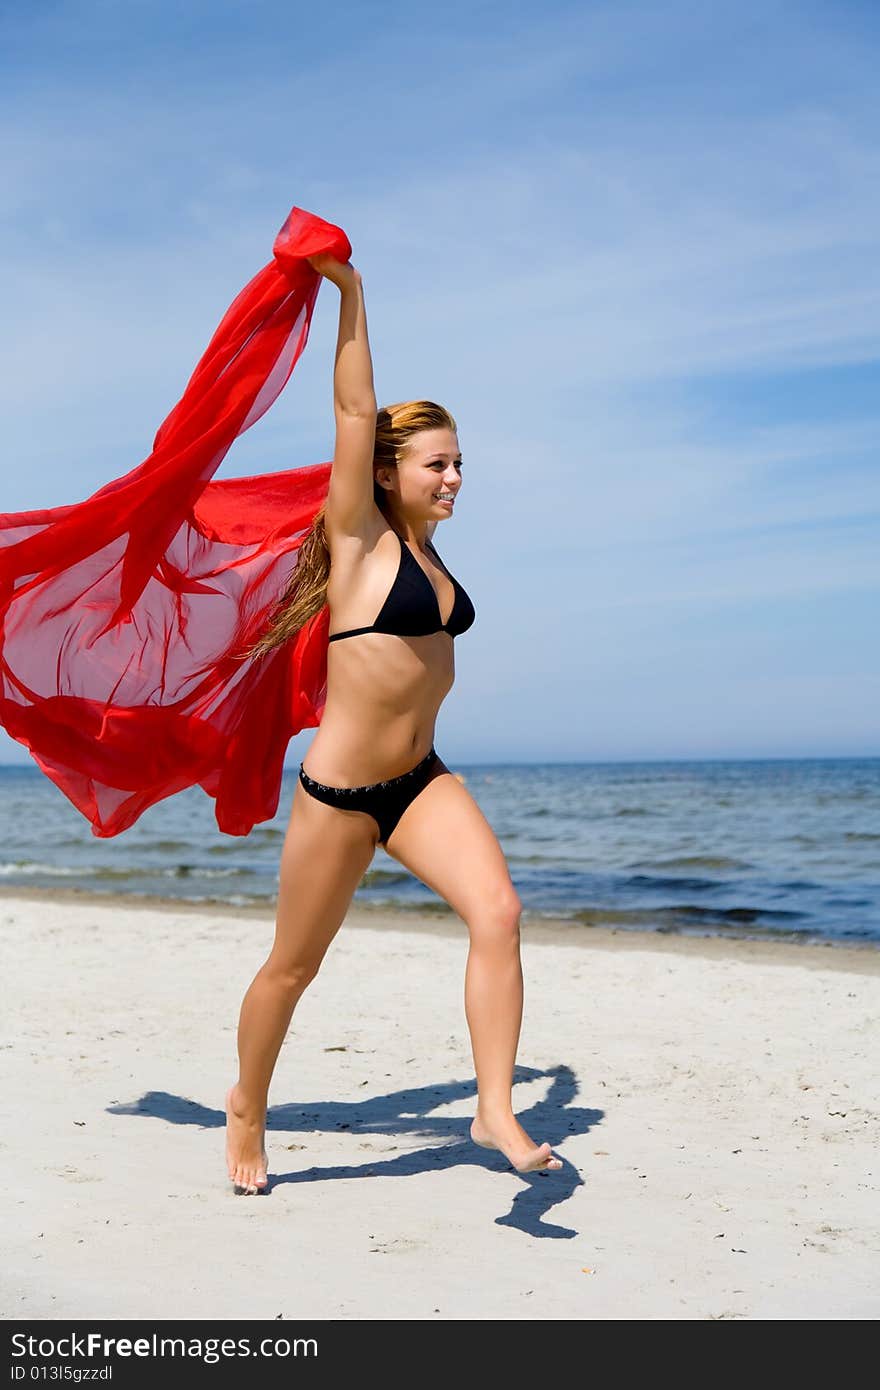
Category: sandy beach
[714,1101]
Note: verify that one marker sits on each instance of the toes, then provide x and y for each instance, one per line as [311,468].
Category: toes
[254,1180]
[248,1180]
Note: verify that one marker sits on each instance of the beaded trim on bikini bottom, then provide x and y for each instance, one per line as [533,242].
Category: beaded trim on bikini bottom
[371,786]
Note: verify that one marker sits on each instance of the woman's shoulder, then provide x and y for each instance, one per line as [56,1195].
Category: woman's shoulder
[355,555]
[344,543]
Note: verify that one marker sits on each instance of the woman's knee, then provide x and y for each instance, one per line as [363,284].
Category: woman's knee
[293,977]
[496,922]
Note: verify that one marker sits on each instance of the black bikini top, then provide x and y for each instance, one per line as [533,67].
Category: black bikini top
[412,608]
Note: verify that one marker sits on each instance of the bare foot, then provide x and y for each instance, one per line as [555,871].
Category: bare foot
[510,1137]
[246,1158]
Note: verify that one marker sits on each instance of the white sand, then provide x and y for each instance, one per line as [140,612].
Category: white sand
[715,1103]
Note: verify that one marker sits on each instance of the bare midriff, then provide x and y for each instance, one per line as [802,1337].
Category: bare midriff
[383,691]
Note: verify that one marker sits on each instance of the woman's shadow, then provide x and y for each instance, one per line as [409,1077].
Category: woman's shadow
[402,1113]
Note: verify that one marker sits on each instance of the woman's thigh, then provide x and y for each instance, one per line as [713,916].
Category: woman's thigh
[325,855]
[446,841]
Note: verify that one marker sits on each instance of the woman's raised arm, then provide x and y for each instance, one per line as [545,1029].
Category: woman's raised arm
[350,504]
[353,390]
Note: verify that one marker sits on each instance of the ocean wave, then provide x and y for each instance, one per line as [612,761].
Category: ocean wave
[385,877]
[681,915]
[694,861]
[102,871]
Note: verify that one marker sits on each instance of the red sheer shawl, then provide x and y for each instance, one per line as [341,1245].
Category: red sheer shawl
[121,616]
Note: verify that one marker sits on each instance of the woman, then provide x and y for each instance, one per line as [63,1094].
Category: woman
[373,776]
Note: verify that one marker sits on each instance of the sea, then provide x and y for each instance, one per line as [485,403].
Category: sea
[773,848]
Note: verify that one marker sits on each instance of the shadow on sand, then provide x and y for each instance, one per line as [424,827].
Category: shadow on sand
[409,1113]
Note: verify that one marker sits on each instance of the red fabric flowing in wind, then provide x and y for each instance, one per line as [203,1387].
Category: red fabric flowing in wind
[121,616]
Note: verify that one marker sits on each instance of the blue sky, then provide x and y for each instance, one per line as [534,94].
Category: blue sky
[632,247]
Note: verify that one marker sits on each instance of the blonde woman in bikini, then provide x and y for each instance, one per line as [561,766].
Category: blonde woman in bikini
[373,776]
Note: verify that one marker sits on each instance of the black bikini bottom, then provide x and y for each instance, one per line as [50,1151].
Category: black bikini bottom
[384,801]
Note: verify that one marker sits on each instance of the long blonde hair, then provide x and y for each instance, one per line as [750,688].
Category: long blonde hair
[306,590]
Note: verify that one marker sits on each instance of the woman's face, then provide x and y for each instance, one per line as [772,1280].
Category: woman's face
[428,475]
